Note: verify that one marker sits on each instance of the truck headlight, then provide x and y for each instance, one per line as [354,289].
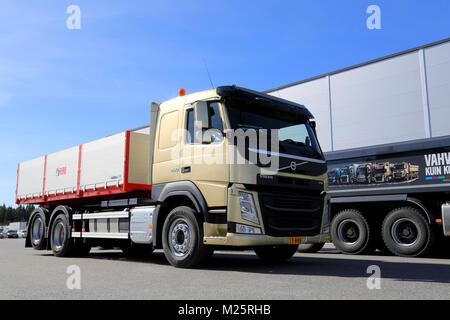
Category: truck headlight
[248,209]
[242,228]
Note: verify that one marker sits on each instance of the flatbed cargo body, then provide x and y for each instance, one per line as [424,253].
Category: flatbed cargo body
[110,168]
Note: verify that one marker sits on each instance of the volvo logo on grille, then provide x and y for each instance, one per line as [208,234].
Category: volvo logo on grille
[293,165]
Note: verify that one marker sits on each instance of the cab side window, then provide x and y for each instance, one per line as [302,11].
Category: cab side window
[214,116]
[215,121]
[190,116]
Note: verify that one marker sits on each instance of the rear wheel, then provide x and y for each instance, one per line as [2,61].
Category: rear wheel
[183,239]
[61,244]
[351,233]
[310,248]
[276,253]
[36,230]
[406,232]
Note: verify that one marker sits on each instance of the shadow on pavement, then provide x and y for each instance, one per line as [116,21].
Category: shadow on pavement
[323,265]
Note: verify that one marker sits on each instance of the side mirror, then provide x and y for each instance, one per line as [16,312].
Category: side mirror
[212,136]
[313,126]
[201,115]
[308,141]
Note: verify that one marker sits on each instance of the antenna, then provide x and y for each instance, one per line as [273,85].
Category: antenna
[209,75]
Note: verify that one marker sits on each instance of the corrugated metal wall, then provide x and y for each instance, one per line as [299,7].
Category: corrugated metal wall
[400,98]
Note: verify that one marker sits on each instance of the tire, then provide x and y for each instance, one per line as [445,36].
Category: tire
[311,247]
[182,239]
[406,233]
[61,244]
[351,233]
[276,254]
[37,232]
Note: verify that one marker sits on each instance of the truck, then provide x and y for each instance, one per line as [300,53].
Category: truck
[348,174]
[223,168]
[382,172]
[405,171]
[364,173]
[334,176]
[407,217]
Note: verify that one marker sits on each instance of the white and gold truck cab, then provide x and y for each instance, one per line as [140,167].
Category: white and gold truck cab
[239,200]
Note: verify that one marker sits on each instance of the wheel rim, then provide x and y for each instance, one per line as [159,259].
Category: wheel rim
[405,232]
[59,236]
[348,231]
[180,236]
[37,230]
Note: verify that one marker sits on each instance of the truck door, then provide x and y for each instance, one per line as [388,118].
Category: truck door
[205,163]
[166,161]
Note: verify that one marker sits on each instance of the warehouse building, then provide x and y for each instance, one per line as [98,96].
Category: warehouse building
[401,97]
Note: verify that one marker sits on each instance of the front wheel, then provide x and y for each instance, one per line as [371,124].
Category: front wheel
[276,253]
[183,239]
[351,233]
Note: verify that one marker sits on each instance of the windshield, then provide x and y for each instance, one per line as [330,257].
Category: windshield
[296,136]
[399,166]
[361,170]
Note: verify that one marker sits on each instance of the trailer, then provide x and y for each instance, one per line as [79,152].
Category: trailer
[408,216]
[175,188]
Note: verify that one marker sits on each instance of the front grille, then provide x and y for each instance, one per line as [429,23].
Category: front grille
[291,214]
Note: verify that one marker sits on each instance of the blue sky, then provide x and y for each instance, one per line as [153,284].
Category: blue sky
[61,87]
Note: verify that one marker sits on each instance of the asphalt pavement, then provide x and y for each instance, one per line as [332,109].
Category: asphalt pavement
[107,274]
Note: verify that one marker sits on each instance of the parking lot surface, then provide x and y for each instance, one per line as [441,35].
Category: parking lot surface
[108,274]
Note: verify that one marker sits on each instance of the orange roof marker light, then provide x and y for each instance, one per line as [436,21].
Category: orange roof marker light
[181,92]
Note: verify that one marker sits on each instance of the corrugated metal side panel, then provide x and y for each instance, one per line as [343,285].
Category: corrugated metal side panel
[31,178]
[438,84]
[62,171]
[314,95]
[102,162]
[399,98]
[378,103]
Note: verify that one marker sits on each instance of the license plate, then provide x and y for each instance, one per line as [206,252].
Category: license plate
[295,240]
